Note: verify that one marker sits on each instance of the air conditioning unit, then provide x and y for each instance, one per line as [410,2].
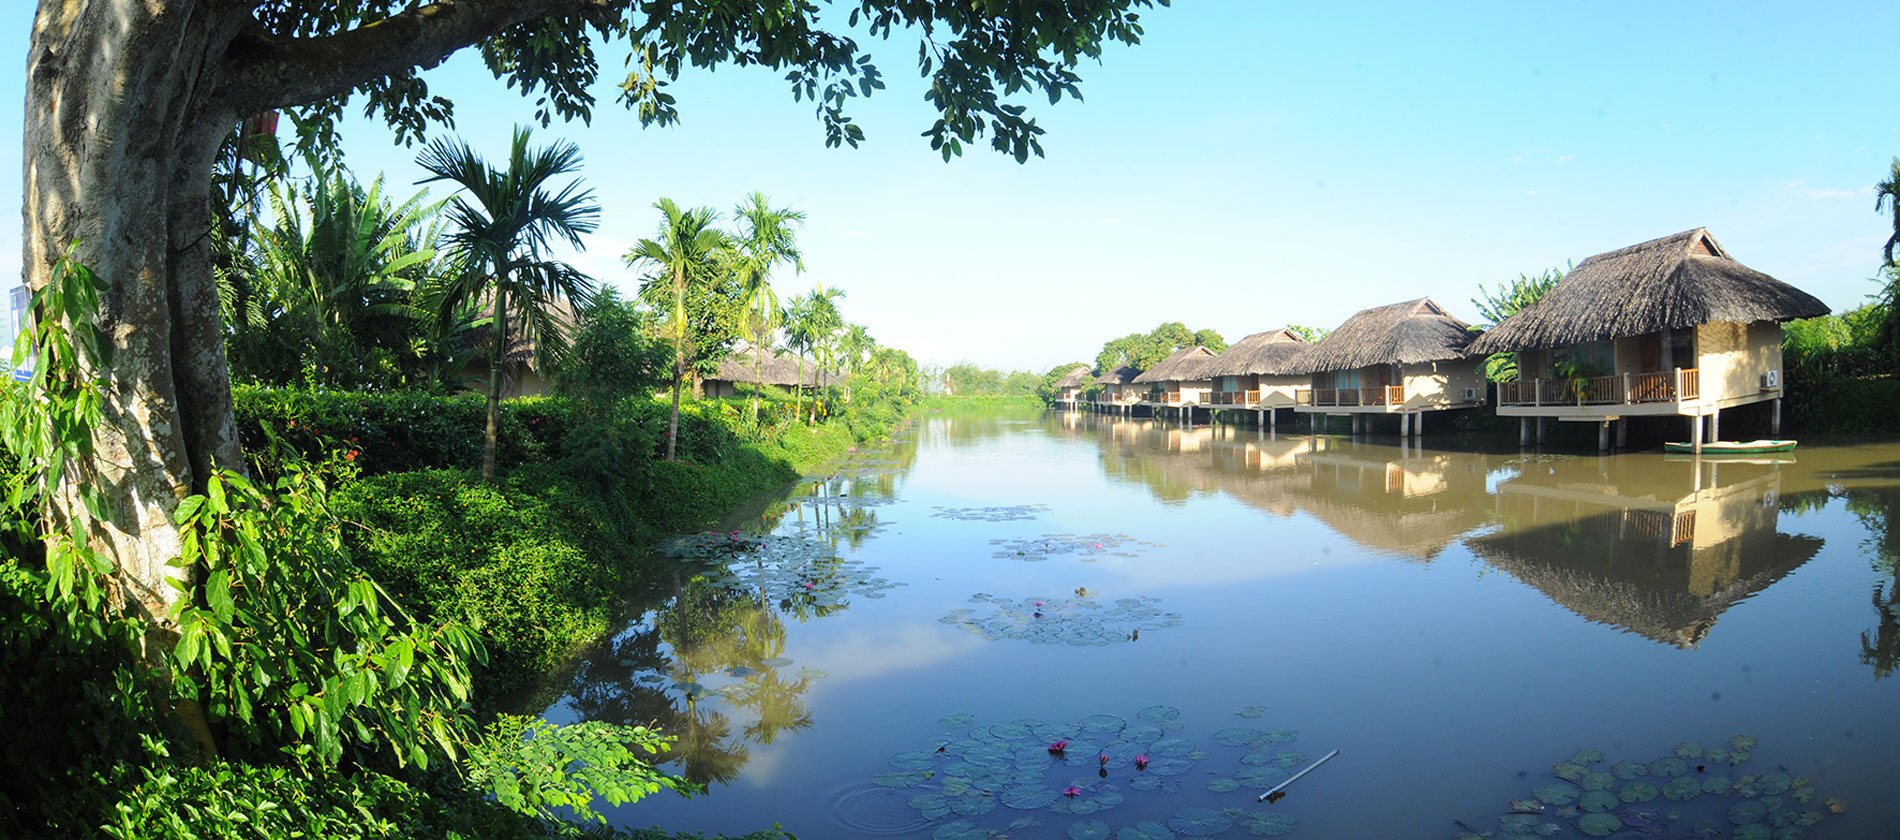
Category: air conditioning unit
[1471,395]
[1771,381]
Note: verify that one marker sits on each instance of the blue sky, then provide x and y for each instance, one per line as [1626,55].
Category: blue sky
[1254,164]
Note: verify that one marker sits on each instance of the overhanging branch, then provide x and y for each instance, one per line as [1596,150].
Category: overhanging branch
[263,71]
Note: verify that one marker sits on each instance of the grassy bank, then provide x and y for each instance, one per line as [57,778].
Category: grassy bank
[538,562]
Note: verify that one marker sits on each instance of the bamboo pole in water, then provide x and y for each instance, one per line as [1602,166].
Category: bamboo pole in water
[1296,776]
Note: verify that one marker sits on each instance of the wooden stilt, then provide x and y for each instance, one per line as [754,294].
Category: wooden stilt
[1622,433]
[1695,437]
[1523,432]
[1715,425]
[1774,418]
[1603,436]
[1540,431]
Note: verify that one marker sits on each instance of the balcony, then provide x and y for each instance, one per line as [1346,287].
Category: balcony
[1240,398]
[1384,395]
[1680,385]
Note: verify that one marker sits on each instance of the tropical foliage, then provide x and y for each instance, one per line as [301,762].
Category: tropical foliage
[1507,299]
[1145,350]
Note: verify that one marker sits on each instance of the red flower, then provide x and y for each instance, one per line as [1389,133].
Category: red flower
[350,456]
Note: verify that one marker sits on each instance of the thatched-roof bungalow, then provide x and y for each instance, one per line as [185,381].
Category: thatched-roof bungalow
[744,367]
[1659,553]
[1181,379]
[1401,358]
[1116,393]
[1257,372]
[1068,389]
[1672,326]
[524,368]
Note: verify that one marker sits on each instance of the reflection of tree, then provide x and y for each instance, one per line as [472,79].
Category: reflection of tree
[777,704]
[1880,647]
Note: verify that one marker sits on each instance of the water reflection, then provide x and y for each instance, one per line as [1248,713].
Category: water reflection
[1871,493]
[1657,548]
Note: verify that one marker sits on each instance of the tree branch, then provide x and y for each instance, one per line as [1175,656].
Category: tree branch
[262,71]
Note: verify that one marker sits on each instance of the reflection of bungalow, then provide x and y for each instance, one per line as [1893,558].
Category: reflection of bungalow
[1411,504]
[1069,388]
[1180,381]
[1256,373]
[1662,559]
[1116,394]
[745,367]
[1401,358]
[1673,326]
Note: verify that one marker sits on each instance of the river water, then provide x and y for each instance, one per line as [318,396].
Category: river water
[1529,644]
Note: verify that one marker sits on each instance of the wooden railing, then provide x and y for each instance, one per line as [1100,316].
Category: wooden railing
[1682,384]
[1395,395]
[1234,397]
[1172,398]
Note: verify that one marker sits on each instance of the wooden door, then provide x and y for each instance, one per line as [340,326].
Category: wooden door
[1649,351]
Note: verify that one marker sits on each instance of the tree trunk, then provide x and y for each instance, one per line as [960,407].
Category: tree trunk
[673,422]
[120,141]
[798,405]
[497,358]
[758,382]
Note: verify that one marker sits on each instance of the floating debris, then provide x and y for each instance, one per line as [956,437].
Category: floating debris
[1082,622]
[1692,784]
[995,513]
[1085,547]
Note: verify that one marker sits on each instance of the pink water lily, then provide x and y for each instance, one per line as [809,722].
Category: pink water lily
[1057,747]
[1102,759]
[1098,545]
[1141,761]
[1072,791]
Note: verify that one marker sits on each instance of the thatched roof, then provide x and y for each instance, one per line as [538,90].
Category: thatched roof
[522,349]
[1119,376]
[1076,378]
[1669,283]
[1186,365]
[1261,353]
[742,365]
[1411,332]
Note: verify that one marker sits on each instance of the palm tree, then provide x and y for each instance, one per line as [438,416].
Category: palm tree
[502,236]
[689,251]
[766,240]
[857,344]
[810,322]
[1885,193]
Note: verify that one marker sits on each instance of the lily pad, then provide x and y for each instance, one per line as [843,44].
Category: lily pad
[959,830]
[1158,714]
[1556,793]
[1200,822]
[1598,800]
[1668,767]
[902,778]
[1078,622]
[1223,785]
[1261,778]
[1717,785]
[1688,749]
[1587,756]
[994,513]
[1145,830]
[1029,798]
[1171,747]
[1634,792]
[1747,811]
[1085,547]
[1599,824]
[914,760]
[1682,789]
[1091,830]
[1627,770]
[1754,831]
[1102,724]
[1240,736]
[1268,824]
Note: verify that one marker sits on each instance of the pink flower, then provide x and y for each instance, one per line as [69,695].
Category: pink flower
[1057,747]
[1038,603]
[1072,791]
[1098,545]
[1141,761]
[1102,759]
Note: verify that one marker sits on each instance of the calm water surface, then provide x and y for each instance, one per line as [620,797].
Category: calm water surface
[1454,623]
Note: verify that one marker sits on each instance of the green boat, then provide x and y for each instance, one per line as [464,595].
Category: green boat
[1732,447]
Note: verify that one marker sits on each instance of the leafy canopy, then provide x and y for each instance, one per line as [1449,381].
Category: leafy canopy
[976,57]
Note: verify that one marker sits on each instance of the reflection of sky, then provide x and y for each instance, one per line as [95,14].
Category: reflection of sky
[1439,682]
